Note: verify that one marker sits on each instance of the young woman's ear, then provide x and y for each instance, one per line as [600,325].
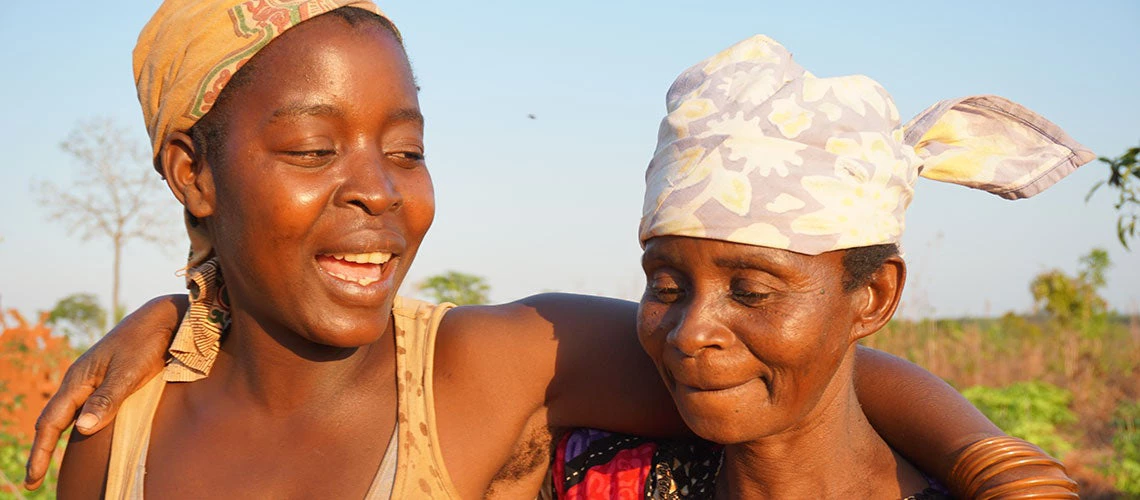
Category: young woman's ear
[189,178]
[879,298]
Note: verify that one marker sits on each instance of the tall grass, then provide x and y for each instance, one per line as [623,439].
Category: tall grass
[1097,366]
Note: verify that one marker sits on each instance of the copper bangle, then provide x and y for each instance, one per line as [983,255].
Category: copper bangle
[986,459]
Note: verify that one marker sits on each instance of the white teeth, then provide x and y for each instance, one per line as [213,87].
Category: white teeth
[378,257]
[361,281]
[364,258]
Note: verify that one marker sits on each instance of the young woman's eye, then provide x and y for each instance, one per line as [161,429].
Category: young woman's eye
[408,158]
[310,158]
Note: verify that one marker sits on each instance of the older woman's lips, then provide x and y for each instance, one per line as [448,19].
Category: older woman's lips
[713,391]
[699,384]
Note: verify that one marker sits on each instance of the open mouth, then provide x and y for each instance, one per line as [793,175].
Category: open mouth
[360,268]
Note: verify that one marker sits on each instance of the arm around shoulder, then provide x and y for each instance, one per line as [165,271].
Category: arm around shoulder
[917,413]
[98,382]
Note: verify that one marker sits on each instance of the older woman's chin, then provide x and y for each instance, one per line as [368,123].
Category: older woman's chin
[728,416]
[726,429]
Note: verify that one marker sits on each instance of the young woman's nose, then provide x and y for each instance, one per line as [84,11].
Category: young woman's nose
[370,186]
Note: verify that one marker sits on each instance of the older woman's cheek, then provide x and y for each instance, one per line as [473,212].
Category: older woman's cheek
[649,328]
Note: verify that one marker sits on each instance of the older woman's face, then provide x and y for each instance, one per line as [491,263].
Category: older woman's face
[322,193]
[748,339]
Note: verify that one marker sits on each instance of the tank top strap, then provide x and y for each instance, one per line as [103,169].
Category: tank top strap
[420,468]
[126,472]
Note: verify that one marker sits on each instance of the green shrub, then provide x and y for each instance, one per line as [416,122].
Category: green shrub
[1126,443]
[1029,410]
[13,454]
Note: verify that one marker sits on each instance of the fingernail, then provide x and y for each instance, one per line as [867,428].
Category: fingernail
[87,421]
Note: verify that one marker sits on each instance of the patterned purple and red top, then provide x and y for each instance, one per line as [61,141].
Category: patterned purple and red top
[595,465]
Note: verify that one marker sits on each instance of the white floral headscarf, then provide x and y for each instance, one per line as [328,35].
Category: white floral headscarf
[757,150]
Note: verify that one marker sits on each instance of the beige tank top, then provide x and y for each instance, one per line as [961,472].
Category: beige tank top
[412,466]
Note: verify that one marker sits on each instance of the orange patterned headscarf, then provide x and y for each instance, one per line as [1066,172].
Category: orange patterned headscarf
[185,56]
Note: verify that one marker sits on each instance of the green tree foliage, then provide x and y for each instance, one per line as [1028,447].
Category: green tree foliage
[1073,301]
[456,287]
[1123,176]
[1126,444]
[80,318]
[14,453]
[1029,410]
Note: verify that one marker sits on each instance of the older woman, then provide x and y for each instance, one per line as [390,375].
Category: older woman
[773,210]
[290,131]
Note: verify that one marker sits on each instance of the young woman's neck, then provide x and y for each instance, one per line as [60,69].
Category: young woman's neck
[833,453]
[279,370]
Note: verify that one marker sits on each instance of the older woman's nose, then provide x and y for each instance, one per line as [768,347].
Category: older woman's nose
[371,187]
[699,330]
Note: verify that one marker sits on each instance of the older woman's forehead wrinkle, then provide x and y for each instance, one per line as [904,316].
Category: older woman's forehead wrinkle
[659,251]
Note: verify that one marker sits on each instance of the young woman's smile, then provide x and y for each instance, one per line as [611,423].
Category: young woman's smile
[321,193]
[362,266]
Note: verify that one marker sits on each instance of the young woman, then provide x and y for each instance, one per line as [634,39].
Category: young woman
[291,132]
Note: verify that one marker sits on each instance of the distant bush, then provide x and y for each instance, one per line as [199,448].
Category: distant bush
[13,453]
[1126,443]
[1029,410]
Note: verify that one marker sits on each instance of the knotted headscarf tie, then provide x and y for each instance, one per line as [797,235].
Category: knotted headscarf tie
[756,150]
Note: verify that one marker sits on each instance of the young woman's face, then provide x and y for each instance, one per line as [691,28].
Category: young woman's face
[748,339]
[322,196]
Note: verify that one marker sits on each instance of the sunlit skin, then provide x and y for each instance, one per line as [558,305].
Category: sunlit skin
[757,347]
[310,166]
[321,157]
[315,166]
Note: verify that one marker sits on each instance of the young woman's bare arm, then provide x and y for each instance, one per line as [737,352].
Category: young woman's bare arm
[916,412]
[932,424]
[85,465]
[99,381]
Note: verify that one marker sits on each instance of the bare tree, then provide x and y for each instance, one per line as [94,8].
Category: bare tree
[115,193]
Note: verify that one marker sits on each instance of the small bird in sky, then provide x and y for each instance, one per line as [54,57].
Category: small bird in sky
[531,116]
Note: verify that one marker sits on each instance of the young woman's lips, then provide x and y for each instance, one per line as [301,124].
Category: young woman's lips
[360,268]
[361,278]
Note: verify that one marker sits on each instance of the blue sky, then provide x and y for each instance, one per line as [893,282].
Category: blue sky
[553,203]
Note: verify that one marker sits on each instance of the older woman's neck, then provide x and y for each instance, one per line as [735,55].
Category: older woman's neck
[833,453]
[280,371]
